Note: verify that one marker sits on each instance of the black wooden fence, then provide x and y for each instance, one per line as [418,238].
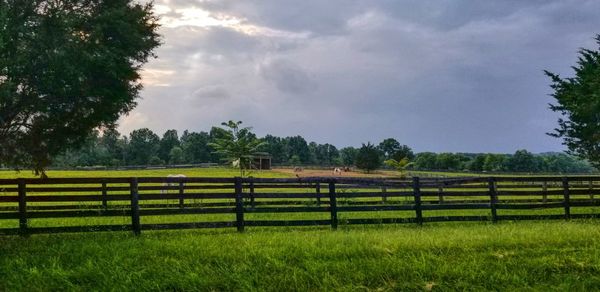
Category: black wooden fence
[153,203]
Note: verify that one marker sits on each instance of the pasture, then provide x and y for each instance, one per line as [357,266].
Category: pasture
[531,255]
[192,172]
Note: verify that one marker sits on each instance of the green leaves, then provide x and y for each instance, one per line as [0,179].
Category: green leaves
[578,102]
[66,68]
[236,145]
[368,157]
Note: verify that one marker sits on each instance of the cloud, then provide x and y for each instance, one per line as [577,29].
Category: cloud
[437,75]
[208,96]
[287,76]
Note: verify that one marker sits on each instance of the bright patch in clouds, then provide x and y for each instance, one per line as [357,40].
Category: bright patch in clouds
[156,77]
[463,76]
[173,18]
[193,17]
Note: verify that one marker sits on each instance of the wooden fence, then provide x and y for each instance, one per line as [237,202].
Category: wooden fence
[30,206]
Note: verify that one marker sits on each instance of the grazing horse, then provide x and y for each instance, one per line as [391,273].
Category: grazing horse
[170,182]
[337,171]
[298,169]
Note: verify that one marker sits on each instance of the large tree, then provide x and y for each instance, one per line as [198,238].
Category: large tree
[326,154]
[348,155]
[524,161]
[143,147]
[169,140]
[276,147]
[115,145]
[67,68]
[388,147]
[195,147]
[297,146]
[578,101]
[392,149]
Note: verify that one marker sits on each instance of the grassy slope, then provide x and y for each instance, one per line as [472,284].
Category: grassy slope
[480,256]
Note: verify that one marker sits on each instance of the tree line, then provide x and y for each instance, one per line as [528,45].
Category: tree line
[520,161]
[144,147]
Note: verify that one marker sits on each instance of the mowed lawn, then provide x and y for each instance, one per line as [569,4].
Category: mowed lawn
[542,256]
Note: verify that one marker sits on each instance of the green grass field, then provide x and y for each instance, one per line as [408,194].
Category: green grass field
[195,172]
[535,255]
[538,256]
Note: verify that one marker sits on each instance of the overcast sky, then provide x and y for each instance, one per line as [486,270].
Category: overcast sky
[457,76]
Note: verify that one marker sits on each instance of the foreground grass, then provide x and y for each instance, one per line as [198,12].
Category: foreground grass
[526,255]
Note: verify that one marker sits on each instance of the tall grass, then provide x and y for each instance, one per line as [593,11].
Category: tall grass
[447,256]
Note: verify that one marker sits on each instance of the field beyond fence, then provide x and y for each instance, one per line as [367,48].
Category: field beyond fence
[30,206]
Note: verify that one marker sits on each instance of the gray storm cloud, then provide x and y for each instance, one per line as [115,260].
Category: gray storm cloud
[436,75]
[287,77]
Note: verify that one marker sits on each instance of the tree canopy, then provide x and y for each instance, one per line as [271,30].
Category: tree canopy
[368,157]
[143,147]
[67,68]
[578,101]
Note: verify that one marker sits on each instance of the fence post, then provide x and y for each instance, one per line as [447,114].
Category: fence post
[417,195]
[383,194]
[333,205]
[104,196]
[252,201]
[22,207]
[591,186]
[545,190]
[239,205]
[135,207]
[440,193]
[493,198]
[567,203]
[318,191]
[181,189]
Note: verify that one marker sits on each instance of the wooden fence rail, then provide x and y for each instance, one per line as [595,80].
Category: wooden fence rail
[154,203]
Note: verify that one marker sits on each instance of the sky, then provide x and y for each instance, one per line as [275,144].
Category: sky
[437,75]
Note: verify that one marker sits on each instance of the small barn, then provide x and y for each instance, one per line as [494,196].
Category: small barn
[261,161]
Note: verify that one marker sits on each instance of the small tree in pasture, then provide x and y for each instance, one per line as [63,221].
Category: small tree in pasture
[367,158]
[236,145]
[398,165]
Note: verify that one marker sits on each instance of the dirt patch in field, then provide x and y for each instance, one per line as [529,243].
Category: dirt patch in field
[327,173]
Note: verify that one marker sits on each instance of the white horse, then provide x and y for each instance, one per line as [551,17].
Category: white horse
[170,183]
[337,171]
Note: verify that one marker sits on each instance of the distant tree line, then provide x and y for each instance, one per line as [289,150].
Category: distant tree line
[520,161]
[144,147]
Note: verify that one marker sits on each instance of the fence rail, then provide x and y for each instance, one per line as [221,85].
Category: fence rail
[30,206]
